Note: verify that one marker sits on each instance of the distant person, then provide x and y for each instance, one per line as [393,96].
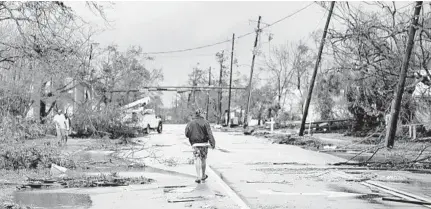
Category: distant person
[69,124]
[61,126]
[199,133]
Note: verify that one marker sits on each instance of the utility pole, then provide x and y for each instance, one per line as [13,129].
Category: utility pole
[316,67]
[396,102]
[230,81]
[251,73]
[208,100]
[220,84]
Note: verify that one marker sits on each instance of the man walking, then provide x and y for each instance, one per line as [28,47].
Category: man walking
[67,116]
[61,126]
[199,133]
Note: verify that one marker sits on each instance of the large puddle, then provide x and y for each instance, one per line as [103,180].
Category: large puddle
[47,200]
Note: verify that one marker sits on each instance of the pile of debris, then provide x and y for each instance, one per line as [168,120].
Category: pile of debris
[290,139]
[61,178]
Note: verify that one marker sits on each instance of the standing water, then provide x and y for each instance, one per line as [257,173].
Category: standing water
[48,200]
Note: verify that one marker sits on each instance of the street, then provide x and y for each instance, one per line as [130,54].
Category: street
[262,175]
[335,97]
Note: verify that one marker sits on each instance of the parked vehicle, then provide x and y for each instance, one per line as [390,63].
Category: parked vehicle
[151,122]
[143,120]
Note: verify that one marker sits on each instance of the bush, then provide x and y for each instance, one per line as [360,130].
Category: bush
[99,123]
[28,156]
[15,128]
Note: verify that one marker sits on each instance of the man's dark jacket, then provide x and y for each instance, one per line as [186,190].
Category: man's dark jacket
[199,131]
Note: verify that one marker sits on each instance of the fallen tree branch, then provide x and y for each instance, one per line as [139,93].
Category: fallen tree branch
[366,138]
[421,160]
[359,154]
[375,152]
[420,153]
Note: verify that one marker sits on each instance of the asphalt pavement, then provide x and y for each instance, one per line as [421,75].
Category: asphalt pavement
[266,175]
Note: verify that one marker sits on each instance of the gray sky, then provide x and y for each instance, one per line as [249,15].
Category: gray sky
[166,26]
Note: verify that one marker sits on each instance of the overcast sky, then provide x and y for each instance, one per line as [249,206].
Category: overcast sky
[166,26]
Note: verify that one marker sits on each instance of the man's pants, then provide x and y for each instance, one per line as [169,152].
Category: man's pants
[200,152]
[61,133]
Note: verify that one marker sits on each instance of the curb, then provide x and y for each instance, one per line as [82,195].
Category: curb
[230,192]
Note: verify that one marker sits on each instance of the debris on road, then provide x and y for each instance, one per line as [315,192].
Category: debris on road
[268,182]
[185,199]
[58,171]
[327,147]
[405,201]
[87,181]
[249,131]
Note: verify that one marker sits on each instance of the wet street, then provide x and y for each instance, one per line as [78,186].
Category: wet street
[265,175]
[245,172]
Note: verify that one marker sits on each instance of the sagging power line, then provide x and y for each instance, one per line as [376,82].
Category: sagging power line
[229,40]
[176,88]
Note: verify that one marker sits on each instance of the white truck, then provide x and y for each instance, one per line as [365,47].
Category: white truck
[146,120]
[143,120]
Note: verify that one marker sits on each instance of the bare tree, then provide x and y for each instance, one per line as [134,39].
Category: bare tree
[45,41]
[288,66]
[368,51]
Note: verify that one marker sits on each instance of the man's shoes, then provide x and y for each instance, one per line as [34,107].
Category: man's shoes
[204,178]
[198,181]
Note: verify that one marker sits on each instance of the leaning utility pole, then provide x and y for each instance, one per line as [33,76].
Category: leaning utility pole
[230,81]
[251,73]
[220,84]
[396,102]
[316,67]
[208,100]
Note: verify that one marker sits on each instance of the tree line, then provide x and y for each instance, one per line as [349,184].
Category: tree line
[357,79]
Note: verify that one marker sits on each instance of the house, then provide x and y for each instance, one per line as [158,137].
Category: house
[77,94]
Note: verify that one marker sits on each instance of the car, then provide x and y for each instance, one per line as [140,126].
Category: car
[143,120]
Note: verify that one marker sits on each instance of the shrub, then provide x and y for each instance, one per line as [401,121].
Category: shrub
[99,123]
[15,128]
[28,156]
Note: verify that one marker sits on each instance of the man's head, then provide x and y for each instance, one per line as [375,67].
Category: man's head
[199,112]
[59,111]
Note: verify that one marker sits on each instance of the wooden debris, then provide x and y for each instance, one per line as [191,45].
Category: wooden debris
[268,182]
[185,199]
[110,184]
[174,186]
[406,201]
[396,192]
[348,163]
[289,163]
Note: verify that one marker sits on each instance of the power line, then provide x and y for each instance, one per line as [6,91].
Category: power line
[284,18]
[228,40]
